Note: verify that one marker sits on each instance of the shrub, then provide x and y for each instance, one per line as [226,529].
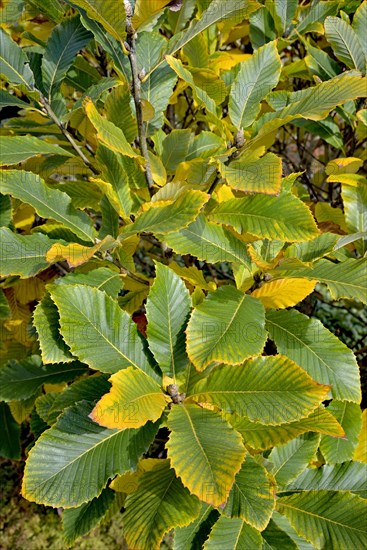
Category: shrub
[181,178]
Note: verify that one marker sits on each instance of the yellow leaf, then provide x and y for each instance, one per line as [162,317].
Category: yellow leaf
[349,165]
[21,410]
[75,254]
[260,261]
[158,170]
[224,193]
[197,296]
[109,134]
[29,290]
[24,217]
[326,213]
[133,399]
[284,293]
[132,301]
[133,285]
[225,61]
[349,179]
[145,11]
[146,206]
[193,275]
[55,387]
[148,110]
[360,452]
[111,194]
[129,482]
[21,315]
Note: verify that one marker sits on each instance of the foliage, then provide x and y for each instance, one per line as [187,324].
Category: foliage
[182,204]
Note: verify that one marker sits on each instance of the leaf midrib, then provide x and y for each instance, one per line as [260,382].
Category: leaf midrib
[323,518]
[57,64]
[57,214]
[3,60]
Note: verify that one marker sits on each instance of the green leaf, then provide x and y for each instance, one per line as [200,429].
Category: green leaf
[160,503]
[175,148]
[251,497]
[272,390]
[231,338]
[61,467]
[204,145]
[16,149]
[21,379]
[167,309]
[233,534]
[345,43]
[4,306]
[216,12]
[320,63]
[337,450]
[314,13]
[263,436]
[284,218]
[209,242]
[276,539]
[355,208]
[111,45]
[344,280]
[207,464]
[283,523]
[157,88]
[292,458]
[185,536]
[200,95]
[168,217]
[115,174]
[313,103]
[89,389]
[6,211]
[118,110]
[79,521]
[48,202]
[260,175]
[54,9]
[257,77]
[108,133]
[97,331]
[9,100]
[64,43]
[133,400]
[326,359]
[10,434]
[23,255]
[14,62]
[95,91]
[349,476]
[285,11]
[110,13]
[312,250]
[102,278]
[359,23]
[327,519]
[47,324]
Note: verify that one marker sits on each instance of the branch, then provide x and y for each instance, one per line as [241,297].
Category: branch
[47,107]
[130,46]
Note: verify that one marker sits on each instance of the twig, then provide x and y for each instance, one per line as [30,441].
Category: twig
[125,271]
[130,46]
[239,142]
[59,124]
